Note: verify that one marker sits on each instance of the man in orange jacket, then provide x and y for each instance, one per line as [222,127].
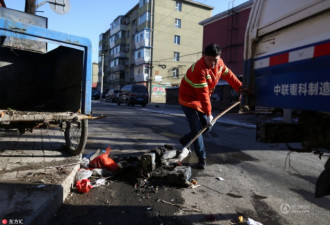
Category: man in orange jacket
[195,91]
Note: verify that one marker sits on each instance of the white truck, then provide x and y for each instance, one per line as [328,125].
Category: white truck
[287,68]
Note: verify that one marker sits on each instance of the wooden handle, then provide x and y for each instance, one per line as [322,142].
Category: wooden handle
[213,122]
[224,112]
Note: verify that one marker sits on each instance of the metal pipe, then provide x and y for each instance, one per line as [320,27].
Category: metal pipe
[102,75]
[152,9]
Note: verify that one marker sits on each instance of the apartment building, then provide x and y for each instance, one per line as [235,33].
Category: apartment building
[153,45]
[95,79]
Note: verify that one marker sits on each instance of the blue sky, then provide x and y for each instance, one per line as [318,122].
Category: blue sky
[91,18]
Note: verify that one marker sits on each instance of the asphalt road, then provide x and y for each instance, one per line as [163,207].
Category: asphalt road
[258,181]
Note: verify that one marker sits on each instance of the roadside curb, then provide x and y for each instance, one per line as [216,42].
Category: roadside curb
[55,201]
[35,203]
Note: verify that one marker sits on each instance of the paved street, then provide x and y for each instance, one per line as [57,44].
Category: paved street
[257,181]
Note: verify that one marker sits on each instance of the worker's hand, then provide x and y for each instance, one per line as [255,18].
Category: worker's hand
[209,120]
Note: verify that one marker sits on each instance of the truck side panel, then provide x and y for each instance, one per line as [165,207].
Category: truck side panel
[295,79]
[287,65]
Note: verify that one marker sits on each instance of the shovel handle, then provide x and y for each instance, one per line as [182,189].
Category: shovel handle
[212,123]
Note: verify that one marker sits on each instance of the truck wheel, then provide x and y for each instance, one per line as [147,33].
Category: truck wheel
[76,136]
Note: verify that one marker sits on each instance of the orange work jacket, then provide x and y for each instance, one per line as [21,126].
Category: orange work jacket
[199,83]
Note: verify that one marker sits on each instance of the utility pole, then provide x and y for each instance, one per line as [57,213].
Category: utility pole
[102,75]
[2,3]
[152,10]
[30,6]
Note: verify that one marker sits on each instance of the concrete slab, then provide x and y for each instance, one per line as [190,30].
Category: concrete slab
[36,175]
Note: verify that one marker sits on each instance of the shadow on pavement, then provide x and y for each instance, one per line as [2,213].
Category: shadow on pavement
[29,203]
[106,215]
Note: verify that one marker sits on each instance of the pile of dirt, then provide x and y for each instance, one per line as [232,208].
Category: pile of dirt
[153,168]
[145,190]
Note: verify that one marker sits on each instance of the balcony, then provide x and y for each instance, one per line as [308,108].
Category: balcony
[144,25]
[118,28]
[112,44]
[140,77]
[120,54]
[142,56]
[142,43]
[120,41]
[118,68]
[140,61]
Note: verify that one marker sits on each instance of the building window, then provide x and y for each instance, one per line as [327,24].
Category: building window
[177,23]
[143,2]
[113,38]
[144,17]
[142,38]
[146,70]
[175,73]
[176,56]
[120,21]
[143,53]
[176,39]
[178,6]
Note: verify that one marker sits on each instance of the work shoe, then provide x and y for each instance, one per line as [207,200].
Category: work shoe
[201,163]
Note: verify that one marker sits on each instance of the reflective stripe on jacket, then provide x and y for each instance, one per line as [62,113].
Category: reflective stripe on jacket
[199,83]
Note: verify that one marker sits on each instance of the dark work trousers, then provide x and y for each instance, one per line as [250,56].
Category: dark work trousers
[197,121]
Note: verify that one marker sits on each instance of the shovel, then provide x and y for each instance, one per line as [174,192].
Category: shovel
[185,150]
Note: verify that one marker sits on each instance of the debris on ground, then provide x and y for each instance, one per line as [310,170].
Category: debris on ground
[252,222]
[240,219]
[182,207]
[168,155]
[99,182]
[83,185]
[146,172]
[84,162]
[104,161]
[83,174]
[171,176]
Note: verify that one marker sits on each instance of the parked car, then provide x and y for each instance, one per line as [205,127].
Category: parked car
[95,95]
[112,95]
[133,94]
[104,93]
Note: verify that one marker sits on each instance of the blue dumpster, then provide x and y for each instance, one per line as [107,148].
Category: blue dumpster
[41,87]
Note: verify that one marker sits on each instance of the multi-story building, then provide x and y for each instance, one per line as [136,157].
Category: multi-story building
[153,44]
[94,75]
[104,60]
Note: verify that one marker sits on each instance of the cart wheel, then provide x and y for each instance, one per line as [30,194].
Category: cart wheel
[76,136]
